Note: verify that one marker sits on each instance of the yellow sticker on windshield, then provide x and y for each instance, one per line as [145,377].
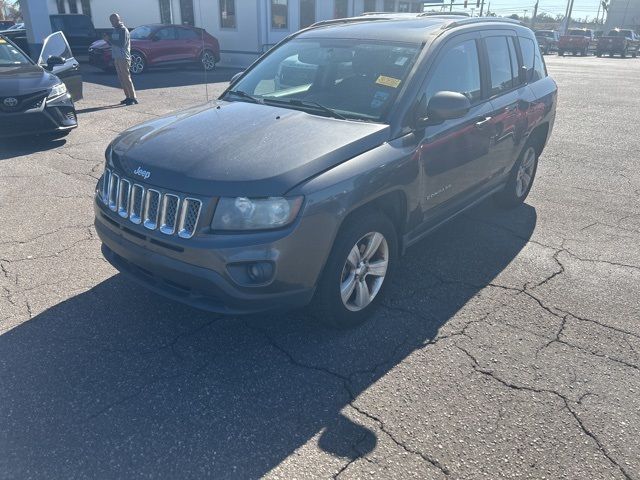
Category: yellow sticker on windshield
[388,81]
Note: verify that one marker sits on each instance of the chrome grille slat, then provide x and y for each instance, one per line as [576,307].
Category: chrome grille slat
[114,185]
[189,215]
[137,204]
[169,213]
[151,209]
[155,210]
[124,193]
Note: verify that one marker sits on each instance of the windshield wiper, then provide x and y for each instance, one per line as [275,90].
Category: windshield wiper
[243,94]
[308,103]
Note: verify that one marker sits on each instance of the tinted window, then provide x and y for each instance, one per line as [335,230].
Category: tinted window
[532,59]
[79,25]
[307,12]
[187,34]
[55,45]
[166,34]
[499,64]
[514,60]
[228,13]
[10,55]
[457,71]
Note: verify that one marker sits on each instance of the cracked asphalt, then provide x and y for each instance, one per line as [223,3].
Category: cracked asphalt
[509,346]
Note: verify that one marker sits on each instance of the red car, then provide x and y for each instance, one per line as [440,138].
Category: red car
[153,45]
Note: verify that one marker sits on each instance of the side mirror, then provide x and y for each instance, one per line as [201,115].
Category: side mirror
[236,77]
[54,60]
[443,106]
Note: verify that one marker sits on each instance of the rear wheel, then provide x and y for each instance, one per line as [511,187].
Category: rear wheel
[521,179]
[138,63]
[623,53]
[561,53]
[357,271]
[208,60]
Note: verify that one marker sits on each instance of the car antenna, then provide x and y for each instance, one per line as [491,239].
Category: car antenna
[206,79]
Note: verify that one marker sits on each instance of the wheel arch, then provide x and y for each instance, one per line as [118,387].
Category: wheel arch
[538,137]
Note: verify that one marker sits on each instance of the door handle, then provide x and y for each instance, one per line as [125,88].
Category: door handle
[483,122]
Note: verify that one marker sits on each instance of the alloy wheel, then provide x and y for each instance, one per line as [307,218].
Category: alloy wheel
[364,271]
[137,63]
[208,62]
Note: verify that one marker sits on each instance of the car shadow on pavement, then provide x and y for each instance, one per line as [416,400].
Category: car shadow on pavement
[28,144]
[162,77]
[119,382]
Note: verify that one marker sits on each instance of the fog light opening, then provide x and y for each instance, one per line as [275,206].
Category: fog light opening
[260,272]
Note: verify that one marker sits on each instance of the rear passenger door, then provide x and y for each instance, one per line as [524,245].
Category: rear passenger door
[454,155]
[190,43]
[510,99]
[165,45]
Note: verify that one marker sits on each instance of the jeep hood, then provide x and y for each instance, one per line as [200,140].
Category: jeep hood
[239,148]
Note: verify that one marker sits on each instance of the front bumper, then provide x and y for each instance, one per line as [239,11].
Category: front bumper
[58,115]
[196,271]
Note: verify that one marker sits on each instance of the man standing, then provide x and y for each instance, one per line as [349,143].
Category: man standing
[120,42]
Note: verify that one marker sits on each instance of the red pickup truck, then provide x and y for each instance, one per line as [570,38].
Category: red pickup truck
[619,41]
[576,41]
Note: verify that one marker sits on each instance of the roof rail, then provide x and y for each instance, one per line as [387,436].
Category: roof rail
[472,20]
[443,14]
[337,21]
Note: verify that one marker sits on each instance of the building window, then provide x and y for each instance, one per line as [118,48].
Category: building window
[227,13]
[165,11]
[279,14]
[403,7]
[341,9]
[370,5]
[307,13]
[389,5]
[60,5]
[86,7]
[73,6]
[417,7]
[186,12]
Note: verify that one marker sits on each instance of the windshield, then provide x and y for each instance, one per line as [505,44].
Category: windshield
[10,55]
[581,33]
[350,78]
[544,34]
[619,33]
[141,33]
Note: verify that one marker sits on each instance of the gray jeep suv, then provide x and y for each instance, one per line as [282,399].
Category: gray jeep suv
[302,189]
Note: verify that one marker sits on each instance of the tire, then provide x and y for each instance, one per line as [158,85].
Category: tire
[348,268]
[518,187]
[623,53]
[138,63]
[561,53]
[598,54]
[634,54]
[208,60]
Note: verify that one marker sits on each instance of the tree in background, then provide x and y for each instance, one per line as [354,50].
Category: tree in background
[9,9]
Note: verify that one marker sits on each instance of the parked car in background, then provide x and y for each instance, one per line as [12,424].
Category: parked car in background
[619,41]
[37,98]
[577,41]
[6,24]
[154,45]
[310,188]
[547,40]
[17,26]
[78,30]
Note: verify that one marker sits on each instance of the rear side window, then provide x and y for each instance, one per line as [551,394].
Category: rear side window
[457,71]
[187,34]
[532,59]
[166,34]
[503,77]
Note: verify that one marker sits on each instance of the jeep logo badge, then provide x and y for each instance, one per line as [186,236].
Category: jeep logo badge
[10,102]
[141,172]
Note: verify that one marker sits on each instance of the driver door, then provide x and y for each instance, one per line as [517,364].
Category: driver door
[56,45]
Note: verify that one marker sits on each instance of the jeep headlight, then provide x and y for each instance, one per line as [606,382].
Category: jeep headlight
[57,90]
[242,213]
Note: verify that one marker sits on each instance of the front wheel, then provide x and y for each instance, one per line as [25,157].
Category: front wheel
[208,60]
[357,271]
[521,179]
[138,63]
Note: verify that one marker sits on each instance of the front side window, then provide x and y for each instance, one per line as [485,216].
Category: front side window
[502,76]
[141,33]
[279,14]
[354,78]
[307,13]
[166,34]
[457,71]
[341,9]
[228,13]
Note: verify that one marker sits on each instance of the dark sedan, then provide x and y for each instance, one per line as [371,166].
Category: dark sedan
[38,97]
[153,45]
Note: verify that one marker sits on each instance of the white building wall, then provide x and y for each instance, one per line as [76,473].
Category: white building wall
[623,13]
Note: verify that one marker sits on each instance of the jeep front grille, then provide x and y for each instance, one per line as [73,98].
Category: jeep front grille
[166,212]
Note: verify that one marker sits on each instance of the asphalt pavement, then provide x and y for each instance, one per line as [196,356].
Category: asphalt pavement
[509,346]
